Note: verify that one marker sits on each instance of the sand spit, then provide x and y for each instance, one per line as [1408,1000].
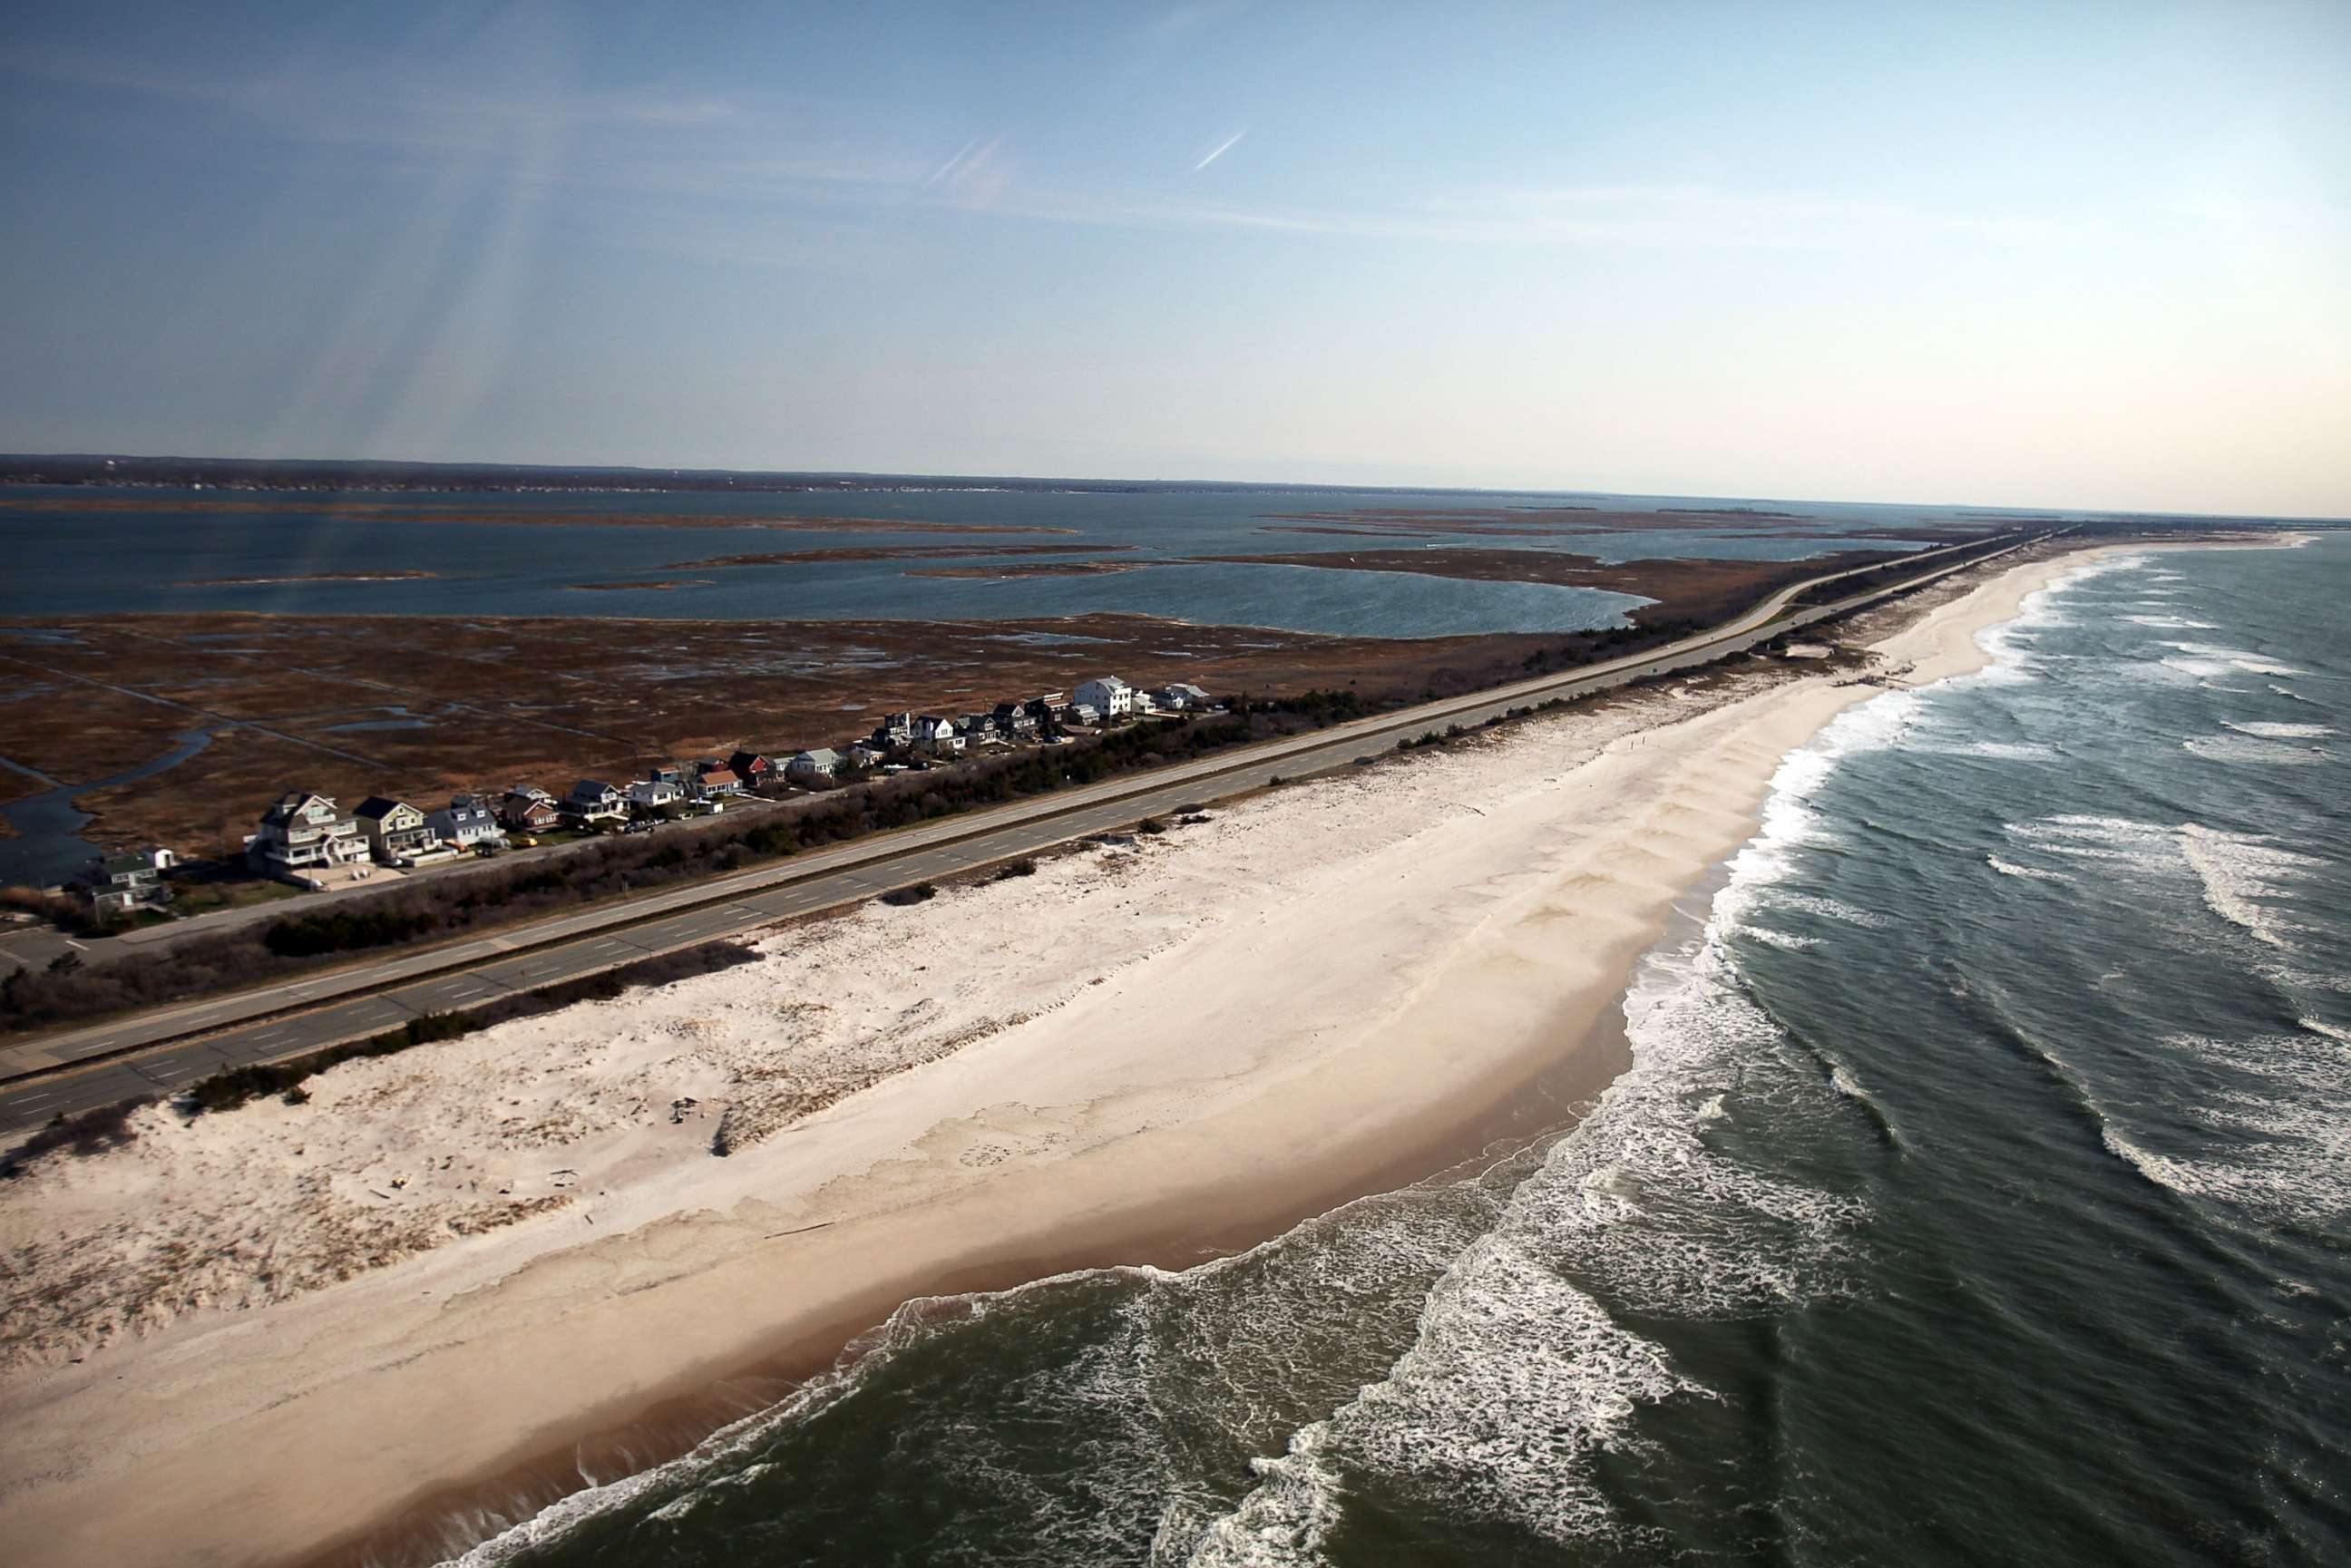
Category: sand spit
[292,1321]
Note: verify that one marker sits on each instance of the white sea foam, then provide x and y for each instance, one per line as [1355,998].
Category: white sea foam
[2242,874]
[1780,939]
[2223,659]
[2275,1142]
[1521,1374]
[2252,752]
[2171,622]
[2010,868]
[2321,1026]
[2125,840]
[2012,644]
[2282,731]
[2005,750]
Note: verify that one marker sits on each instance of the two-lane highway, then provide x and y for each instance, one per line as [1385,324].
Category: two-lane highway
[168,1049]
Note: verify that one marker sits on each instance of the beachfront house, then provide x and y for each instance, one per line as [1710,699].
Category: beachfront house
[120,883]
[466,822]
[716,782]
[395,831]
[528,808]
[1013,721]
[895,731]
[655,792]
[1183,697]
[302,834]
[864,754]
[1085,716]
[752,768]
[937,736]
[817,767]
[1106,695]
[592,800]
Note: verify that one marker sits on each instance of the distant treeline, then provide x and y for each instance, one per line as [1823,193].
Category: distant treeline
[307,474]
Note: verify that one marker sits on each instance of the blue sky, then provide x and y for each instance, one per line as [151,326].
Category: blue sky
[2055,253]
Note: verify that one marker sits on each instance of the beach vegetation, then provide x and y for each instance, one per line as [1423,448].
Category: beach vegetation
[242,1085]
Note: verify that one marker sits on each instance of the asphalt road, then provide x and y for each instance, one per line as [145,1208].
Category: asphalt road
[167,1050]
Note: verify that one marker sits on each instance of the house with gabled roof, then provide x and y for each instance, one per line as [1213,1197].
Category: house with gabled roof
[526,808]
[305,832]
[715,780]
[466,822]
[396,832]
[120,883]
[592,800]
[1183,697]
[813,767]
[1106,695]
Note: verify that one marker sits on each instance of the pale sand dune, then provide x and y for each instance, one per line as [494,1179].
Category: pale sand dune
[1126,1055]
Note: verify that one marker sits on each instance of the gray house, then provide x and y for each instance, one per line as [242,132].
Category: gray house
[120,883]
[466,822]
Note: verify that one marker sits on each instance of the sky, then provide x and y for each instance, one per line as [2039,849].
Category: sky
[2074,255]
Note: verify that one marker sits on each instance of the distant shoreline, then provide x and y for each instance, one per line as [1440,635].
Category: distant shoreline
[332,476]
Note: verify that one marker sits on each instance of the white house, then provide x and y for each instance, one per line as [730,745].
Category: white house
[654,792]
[1106,695]
[1181,697]
[466,821]
[304,832]
[813,767]
[937,736]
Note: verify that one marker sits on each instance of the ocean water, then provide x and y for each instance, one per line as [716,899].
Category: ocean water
[1979,1192]
[169,551]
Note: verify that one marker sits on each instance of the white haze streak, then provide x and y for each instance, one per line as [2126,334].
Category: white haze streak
[1221,148]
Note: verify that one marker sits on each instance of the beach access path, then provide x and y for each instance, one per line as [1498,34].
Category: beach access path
[165,1050]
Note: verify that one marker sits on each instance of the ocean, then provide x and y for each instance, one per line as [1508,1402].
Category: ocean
[1978,1192]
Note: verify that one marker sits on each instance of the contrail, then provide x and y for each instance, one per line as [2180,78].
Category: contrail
[949,167]
[1222,148]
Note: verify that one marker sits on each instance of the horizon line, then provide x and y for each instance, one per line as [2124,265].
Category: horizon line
[10,459]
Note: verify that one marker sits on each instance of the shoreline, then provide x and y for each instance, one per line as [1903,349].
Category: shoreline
[1180,1139]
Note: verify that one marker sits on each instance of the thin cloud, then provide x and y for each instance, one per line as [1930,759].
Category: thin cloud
[949,167]
[1220,148]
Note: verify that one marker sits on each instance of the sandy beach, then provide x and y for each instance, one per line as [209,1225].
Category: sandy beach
[261,1336]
